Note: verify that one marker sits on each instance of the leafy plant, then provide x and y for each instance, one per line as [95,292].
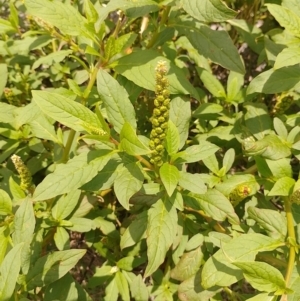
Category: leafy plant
[149,150]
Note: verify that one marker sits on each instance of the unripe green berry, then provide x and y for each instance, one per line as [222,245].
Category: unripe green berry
[152,161]
[155,153]
[164,81]
[155,122]
[166,102]
[151,144]
[157,158]
[162,136]
[164,125]
[163,109]
[160,98]
[161,119]
[157,141]
[166,115]
[156,102]
[166,93]
[158,76]
[159,130]
[158,88]
[156,112]
[160,163]
[153,134]
[159,148]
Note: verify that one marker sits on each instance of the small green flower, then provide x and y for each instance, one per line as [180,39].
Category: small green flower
[23,171]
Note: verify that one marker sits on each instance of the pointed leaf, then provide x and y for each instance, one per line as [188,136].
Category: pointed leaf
[70,176]
[128,181]
[161,231]
[68,112]
[139,289]
[219,270]
[55,57]
[9,272]
[283,186]
[122,285]
[172,138]
[52,267]
[5,203]
[169,175]
[262,276]
[192,182]
[287,57]
[115,98]
[130,142]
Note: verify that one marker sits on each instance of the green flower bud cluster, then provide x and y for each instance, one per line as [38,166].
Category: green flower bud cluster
[23,171]
[295,197]
[283,102]
[160,114]
[94,130]
[239,193]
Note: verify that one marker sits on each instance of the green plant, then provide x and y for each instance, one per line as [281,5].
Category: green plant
[136,131]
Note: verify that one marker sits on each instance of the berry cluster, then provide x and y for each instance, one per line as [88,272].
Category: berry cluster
[160,115]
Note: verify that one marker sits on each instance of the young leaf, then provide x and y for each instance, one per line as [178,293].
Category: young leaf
[287,57]
[280,128]
[219,270]
[128,181]
[3,79]
[262,276]
[24,223]
[55,57]
[5,203]
[68,112]
[172,139]
[52,267]
[115,98]
[228,159]
[130,143]
[161,231]
[180,115]
[65,205]
[9,272]
[139,289]
[209,10]
[283,187]
[62,239]
[196,153]
[70,176]
[169,175]
[192,182]
[122,285]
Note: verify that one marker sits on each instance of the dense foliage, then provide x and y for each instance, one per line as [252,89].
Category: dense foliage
[149,150]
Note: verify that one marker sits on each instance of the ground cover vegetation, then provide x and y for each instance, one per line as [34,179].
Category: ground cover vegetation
[149,150]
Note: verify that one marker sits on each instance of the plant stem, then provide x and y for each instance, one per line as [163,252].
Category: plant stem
[292,236]
[66,152]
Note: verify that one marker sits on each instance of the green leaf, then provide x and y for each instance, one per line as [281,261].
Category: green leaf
[66,111]
[67,289]
[287,57]
[122,285]
[212,44]
[55,57]
[62,239]
[128,181]
[212,164]
[272,221]
[70,176]
[275,81]
[5,242]
[24,222]
[161,231]
[257,119]
[228,159]
[286,18]
[139,67]
[7,112]
[208,10]
[115,98]
[65,205]
[191,290]
[192,182]
[283,187]
[132,9]
[61,15]
[219,270]
[270,147]
[180,115]
[130,143]
[214,204]
[80,224]
[172,138]
[52,267]
[188,265]
[111,291]
[135,231]
[3,79]
[5,203]
[139,289]
[169,176]
[9,272]
[262,276]
[211,83]
[280,128]
[196,153]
